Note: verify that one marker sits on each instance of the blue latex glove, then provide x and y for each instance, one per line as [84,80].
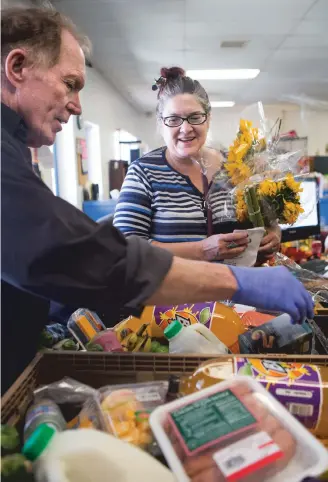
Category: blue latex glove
[273,289]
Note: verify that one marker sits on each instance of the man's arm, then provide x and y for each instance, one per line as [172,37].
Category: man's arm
[193,281]
[53,250]
[273,289]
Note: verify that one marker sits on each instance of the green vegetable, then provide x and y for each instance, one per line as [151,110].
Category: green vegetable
[93,347]
[155,346]
[163,349]
[46,339]
[15,468]
[205,315]
[9,438]
[68,345]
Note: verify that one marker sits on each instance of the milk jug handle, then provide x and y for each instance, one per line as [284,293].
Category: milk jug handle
[203,330]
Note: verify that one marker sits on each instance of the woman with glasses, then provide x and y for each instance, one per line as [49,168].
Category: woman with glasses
[163,195]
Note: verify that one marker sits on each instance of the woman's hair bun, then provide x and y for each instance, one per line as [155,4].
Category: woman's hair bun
[172,73]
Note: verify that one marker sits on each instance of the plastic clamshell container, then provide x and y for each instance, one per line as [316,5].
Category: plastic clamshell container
[250,451]
[124,410]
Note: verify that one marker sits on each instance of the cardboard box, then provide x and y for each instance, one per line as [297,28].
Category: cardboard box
[278,336]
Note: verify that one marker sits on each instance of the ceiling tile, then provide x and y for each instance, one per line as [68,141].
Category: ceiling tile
[311,27]
[300,41]
[319,11]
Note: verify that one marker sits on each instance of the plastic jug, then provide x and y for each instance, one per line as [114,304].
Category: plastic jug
[85,455]
[195,338]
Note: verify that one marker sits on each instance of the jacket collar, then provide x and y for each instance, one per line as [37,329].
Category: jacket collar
[13,123]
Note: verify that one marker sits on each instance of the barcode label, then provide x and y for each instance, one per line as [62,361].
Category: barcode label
[301,409]
[247,456]
[234,462]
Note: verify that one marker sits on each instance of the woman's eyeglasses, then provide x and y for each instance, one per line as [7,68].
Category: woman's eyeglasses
[176,121]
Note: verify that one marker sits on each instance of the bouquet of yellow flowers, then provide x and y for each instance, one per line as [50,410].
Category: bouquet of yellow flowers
[258,181]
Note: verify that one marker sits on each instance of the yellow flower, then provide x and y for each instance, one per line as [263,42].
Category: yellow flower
[231,155]
[241,208]
[292,184]
[291,211]
[246,138]
[255,133]
[241,151]
[267,188]
[244,125]
[240,174]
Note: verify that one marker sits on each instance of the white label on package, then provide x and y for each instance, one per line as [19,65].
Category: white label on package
[248,257]
[143,396]
[247,456]
[289,392]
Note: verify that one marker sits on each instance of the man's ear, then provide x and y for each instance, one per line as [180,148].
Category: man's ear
[16,66]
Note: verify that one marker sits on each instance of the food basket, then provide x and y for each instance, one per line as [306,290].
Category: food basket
[99,369]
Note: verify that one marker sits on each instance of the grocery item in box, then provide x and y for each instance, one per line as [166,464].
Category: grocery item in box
[235,431]
[89,456]
[108,341]
[251,319]
[84,325]
[223,321]
[43,411]
[301,388]
[277,336]
[195,339]
[125,410]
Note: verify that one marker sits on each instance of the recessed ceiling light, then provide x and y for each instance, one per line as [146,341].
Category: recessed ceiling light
[223,74]
[233,44]
[222,103]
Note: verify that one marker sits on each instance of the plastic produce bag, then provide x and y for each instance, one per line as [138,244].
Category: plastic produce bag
[315,284]
[76,400]
[65,390]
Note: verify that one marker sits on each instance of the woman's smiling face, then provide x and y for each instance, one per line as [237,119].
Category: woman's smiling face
[186,140]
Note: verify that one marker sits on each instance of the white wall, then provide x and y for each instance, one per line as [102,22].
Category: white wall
[67,166]
[102,105]
[309,123]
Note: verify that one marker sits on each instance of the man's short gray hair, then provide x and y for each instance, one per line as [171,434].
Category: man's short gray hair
[38,30]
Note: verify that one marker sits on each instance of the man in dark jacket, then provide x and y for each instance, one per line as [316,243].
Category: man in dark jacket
[51,250]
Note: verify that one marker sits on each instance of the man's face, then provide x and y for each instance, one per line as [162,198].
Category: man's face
[49,96]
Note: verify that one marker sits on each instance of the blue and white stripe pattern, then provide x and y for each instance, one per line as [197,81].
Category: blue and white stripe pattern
[158,203]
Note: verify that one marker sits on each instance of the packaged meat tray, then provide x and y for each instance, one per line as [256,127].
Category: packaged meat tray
[233,431]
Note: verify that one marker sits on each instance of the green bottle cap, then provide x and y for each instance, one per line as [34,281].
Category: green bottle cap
[173,329]
[38,441]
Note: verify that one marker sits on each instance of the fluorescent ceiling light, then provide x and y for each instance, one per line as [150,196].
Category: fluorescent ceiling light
[222,103]
[223,74]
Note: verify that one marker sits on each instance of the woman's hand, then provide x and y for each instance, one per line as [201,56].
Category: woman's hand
[270,244]
[224,246]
